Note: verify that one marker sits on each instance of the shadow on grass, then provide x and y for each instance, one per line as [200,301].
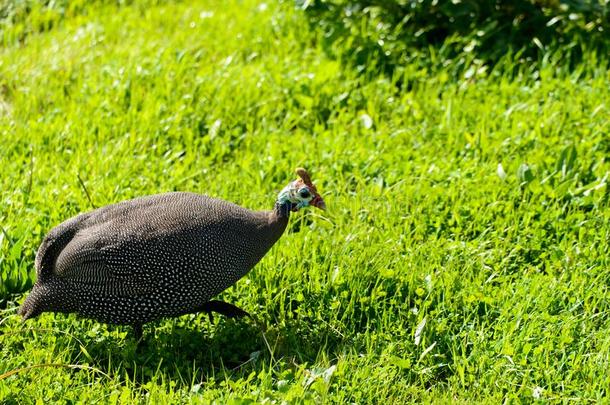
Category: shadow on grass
[189,351]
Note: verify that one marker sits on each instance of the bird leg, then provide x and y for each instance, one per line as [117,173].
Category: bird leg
[137,331]
[223,308]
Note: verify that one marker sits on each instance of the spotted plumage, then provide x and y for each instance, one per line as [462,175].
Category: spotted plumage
[157,256]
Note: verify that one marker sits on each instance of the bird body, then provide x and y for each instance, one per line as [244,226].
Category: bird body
[152,257]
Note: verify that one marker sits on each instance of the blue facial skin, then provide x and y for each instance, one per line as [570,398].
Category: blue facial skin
[302,204]
[298,198]
[304,193]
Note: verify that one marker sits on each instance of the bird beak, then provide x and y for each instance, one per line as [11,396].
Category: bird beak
[318,202]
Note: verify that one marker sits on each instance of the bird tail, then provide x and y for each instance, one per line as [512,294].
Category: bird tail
[32,306]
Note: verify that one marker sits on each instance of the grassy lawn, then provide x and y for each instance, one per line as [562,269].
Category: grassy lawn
[464,252]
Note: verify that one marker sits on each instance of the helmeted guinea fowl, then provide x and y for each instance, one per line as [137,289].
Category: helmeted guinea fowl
[157,256]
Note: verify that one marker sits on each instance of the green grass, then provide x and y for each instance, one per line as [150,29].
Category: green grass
[464,253]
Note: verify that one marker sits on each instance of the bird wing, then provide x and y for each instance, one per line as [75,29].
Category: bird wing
[106,265]
[52,245]
[111,249]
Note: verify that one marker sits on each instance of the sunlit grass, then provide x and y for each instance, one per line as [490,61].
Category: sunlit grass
[464,255]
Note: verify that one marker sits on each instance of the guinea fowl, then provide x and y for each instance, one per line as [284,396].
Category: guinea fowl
[157,256]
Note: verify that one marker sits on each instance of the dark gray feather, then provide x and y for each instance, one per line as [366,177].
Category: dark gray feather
[149,257]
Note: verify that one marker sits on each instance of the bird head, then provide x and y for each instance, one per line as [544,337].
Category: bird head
[301,193]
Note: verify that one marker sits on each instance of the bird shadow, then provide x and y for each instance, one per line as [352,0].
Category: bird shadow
[189,351]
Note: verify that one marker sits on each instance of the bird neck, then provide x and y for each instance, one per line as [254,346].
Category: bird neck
[282,209]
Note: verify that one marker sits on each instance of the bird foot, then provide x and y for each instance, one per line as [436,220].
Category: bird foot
[223,308]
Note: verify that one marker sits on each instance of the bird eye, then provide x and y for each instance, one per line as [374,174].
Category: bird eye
[304,193]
